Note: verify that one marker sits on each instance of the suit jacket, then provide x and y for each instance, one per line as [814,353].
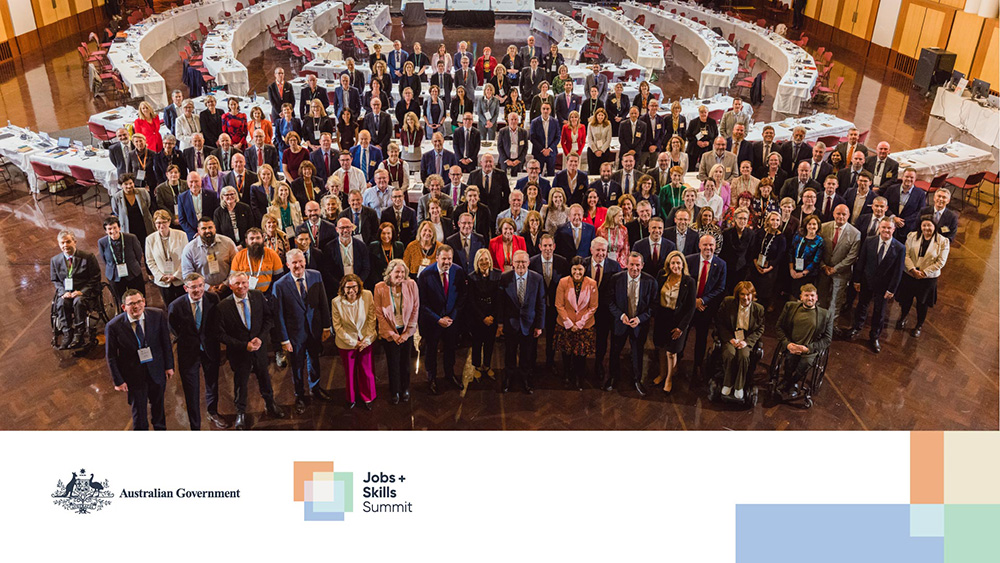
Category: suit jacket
[520,152]
[821,205]
[244,220]
[528,83]
[270,157]
[645,247]
[235,335]
[122,349]
[406,228]
[619,305]
[824,170]
[86,273]
[301,320]
[910,213]
[947,226]
[428,164]
[190,338]
[708,161]
[933,259]
[499,195]
[849,198]
[560,269]
[434,304]
[563,107]
[715,284]
[227,161]
[163,161]
[866,223]
[186,214]
[845,155]
[353,101]
[632,140]
[791,188]
[880,276]
[445,83]
[117,156]
[544,187]
[467,146]
[466,78]
[745,151]
[496,249]
[326,232]
[891,172]
[133,256]
[286,96]
[476,242]
[119,208]
[483,221]
[380,128]
[536,133]
[789,161]
[572,309]
[725,321]
[574,194]
[316,157]
[735,249]
[527,52]
[369,222]
[845,254]
[147,165]
[657,131]
[191,160]
[757,157]
[564,241]
[374,159]
[519,317]
[306,96]
[385,312]
[844,183]
[821,337]
[362,261]
[690,240]
[605,288]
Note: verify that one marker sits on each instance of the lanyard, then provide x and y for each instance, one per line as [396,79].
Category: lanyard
[798,251]
[259,267]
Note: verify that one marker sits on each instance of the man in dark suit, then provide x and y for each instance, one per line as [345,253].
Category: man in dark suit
[566,102]
[868,223]
[195,203]
[638,228]
[534,168]
[905,202]
[794,186]
[847,178]
[818,167]
[140,358]
[852,145]
[195,155]
[876,277]
[243,181]
[632,135]
[552,268]
[512,143]
[762,151]
[379,125]
[884,170]
[684,238]
[738,145]
[709,273]
[120,151]
[304,323]
[325,159]
[363,219]
[466,243]
[122,254]
[828,199]
[945,219]
[631,308]
[280,92]
[482,216]
[521,320]
[347,254]
[442,293]
[607,188]
[494,186]
[602,271]
[443,79]
[738,325]
[656,137]
[259,153]
[654,248]
[320,230]
[802,317]
[531,77]
[345,96]
[467,143]
[794,151]
[627,176]
[245,321]
[531,51]
[357,77]
[76,278]
[572,180]
[402,216]
[575,237]
[315,260]
[312,91]
[860,198]
[192,317]
[225,152]
[465,75]
[544,134]
[438,160]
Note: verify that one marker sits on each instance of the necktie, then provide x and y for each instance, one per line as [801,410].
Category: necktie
[437,160]
[357,221]
[239,184]
[364,161]
[881,251]
[871,227]
[576,237]
[465,246]
[815,169]
[399,221]
[826,208]
[302,287]
[547,270]
[767,150]
[836,236]
[703,277]
[140,334]
[197,315]
[69,264]
[656,252]
[198,161]
[633,296]
[598,275]
[486,183]
[315,233]
[444,282]
[246,312]
[375,125]
[628,182]
[854,178]
[326,160]
[260,156]
[520,291]
[347,182]
[878,170]
[937,217]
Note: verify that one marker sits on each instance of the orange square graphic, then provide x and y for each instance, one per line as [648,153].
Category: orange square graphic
[304,472]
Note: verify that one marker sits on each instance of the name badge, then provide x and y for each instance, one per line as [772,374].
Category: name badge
[176,210]
[888,174]
[739,334]
[145,355]
[409,148]
[488,115]
[290,232]
[201,171]
[945,230]
[122,270]
[729,169]
[140,175]
[637,134]
[68,284]
[316,134]
[800,264]
[213,264]
[168,266]
[253,282]
[406,224]
[520,142]
[659,126]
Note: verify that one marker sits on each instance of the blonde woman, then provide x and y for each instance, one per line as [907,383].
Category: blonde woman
[187,125]
[315,124]
[212,180]
[574,135]
[267,182]
[286,207]
[148,124]
[398,169]
[675,153]
[674,311]
[274,238]
[613,229]
[420,253]
[502,84]
[164,247]
[722,187]
[555,213]
[411,134]
[353,316]
[484,281]
[397,306]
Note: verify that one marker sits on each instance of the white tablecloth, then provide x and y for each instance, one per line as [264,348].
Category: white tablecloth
[228,38]
[819,125]
[796,66]
[642,46]
[570,34]
[959,160]
[99,164]
[151,35]
[966,114]
[718,57]
[331,69]
[114,118]
[369,24]
[307,29]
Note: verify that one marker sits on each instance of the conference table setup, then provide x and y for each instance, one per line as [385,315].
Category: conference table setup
[21,147]
[124,116]
[569,34]
[716,54]
[959,109]
[306,30]
[130,57]
[797,67]
[368,26]
[639,43]
[331,69]
[817,126]
[954,159]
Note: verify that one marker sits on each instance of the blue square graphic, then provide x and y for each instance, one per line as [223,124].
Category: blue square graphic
[927,520]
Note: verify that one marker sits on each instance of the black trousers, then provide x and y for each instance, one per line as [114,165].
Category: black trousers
[169,293]
[594,162]
[483,339]
[190,366]
[702,323]
[448,337]
[602,326]
[142,393]
[121,286]
[72,313]
[875,296]
[550,334]
[637,344]
[304,361]
[397,357]
[257,363]
[796,368]
[520,352]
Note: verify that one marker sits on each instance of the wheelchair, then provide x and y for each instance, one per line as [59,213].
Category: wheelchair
[810,384]
[100,310]
[713,363]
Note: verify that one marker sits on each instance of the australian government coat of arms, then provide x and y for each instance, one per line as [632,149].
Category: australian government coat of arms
[83,493]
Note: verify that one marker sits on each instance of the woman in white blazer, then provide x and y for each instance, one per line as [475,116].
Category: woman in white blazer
[164,247]
[926,254]
[187,125]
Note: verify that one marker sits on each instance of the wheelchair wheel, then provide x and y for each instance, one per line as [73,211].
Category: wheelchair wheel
[106,307]
[753,396]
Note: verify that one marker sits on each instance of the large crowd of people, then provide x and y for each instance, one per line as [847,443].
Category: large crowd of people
[273,234]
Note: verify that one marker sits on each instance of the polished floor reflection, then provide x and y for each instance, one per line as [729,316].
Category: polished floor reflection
[946,379]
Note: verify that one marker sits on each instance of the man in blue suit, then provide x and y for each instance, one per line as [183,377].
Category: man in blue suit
[572,181]
[602,271]
[347,96]
[534,168]
[574,238]
[122,256]
[324,159]
[522,319]
[544,136]
[303,324]
[346,254]
[437,161]
[905,202]
[681,234]
[631,309]
[141,358]
[654,248]
[192,318]
[442,292]
[396,58]
[466,243]
[709,273]
[365,156]
[194,204]
[876,277]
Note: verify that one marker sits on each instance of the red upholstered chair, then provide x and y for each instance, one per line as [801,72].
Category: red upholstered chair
[44,173]
[99,133]
[932,186]
[834,92]
[716,114]
[84,177]
[971,183]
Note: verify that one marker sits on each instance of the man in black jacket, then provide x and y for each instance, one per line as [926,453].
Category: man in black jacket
[77,281]
[552,268]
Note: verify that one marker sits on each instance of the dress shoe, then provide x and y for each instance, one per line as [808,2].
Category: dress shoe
[432,386]
[915,333]
[738,394]
[321,394]
[455,381]
[279,359]
[76,341]
[274,410]
[901,324]
[368,405]
[504,385]
[66,342]
[609,385]
[218,421]
[726,390]
[300,405]
[241,422]
[395,399]
[350,405]
[639,388]
[405,397]
[528,390]
[853,332]
[876,347]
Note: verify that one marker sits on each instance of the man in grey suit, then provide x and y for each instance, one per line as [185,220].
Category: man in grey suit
[599,80]
[466,76]
[531,50]
[512,143]
[841,244]
[851,145]
[77,280]
[718,155]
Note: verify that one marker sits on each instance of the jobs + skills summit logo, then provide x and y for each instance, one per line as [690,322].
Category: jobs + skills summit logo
[325,494]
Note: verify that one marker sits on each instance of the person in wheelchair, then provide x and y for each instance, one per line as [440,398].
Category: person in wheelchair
[739,324]
[76,277]
[804,331]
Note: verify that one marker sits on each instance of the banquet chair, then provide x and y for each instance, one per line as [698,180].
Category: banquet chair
[971,183]
[932,186]
[747,70]
[44,173]
[830,141]
[632,75]
[833,92]
[716,114]
[84,177]
[99,132]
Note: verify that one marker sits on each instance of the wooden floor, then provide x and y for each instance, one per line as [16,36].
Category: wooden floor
[947,379]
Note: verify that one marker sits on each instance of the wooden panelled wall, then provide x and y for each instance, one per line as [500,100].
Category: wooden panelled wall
[54,20]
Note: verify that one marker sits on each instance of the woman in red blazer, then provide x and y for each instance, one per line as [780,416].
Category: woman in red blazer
[593,213]
[574,135]
[504,246]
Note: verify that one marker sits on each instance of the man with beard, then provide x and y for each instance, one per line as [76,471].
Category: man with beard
[210,255]
[262,266]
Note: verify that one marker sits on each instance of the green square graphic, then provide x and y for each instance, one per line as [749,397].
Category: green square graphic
[347,478]
[970,533]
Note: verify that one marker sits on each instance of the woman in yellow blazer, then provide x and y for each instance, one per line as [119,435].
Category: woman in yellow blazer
[397,305]
[353,315]
[576,302]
